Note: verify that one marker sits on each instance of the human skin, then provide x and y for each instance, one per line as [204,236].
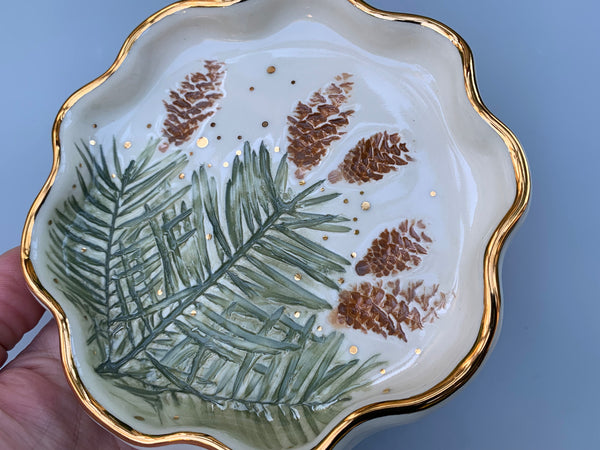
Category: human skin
[38,410]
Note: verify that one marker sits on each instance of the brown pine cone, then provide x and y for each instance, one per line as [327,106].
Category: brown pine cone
[316,124]
[395,251]
[192,103]
[371,159]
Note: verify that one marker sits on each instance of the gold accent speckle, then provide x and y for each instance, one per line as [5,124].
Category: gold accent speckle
[362,192]
[319,328]
[92,142]
[251,88]
[433,193]
[240,137]
[322,189]
[212,124]
[202,142]
[208,236]
[139,418]
[239,153]
[354,219]
[175,417]
[193,313]
[83,249]
[191,153]
[271,69]
[382,371]
[113,175]
[356,232]
[418,351]
[149,125]
[386,391]
[341,281]
[209,165]
[298,277]
[94,125]
[293,81]
[55,280]
[302,183]
[265,124]
[346,200]
[127,144]
[353,350]
[74,186]
[159,292]
[218,138]
[49,222]
[353,254]
[297,314]
[276,149]
[325,237]
[225,164]
[181,176]
[365,206]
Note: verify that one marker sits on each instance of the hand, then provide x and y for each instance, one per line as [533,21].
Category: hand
[38,410]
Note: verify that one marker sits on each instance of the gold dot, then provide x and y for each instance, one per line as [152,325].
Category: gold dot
[191,153]
[94,125]
[298,277]
[92,142]
[355,219]
[113,175]
[302,183]
[127,144]
[225,164]
[276,149]
[80,165]
[325,237]
[297,314]
[74,186]
[175,417]
[149,125]
[353,350]
[365,206]
[193,313]
[209,165]
[418,351]
[382,371]
[386,391]
[181,176]
[293,82]
[346,200]
[341,281]
[362,192]
[212,124]
[55,280]
[49,222]
[83,249]
[208,236]
[271,69]
[159,292]
[202,142]
[265,124]
[319,328]
[218,138]
[322,189]
[353,254]
[251,88]
[433,193]
[239,153]
[139,418]
[356,231]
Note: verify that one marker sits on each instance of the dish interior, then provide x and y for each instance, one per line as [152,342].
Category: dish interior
[271,215]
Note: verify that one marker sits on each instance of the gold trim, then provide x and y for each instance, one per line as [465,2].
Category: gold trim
[458,377]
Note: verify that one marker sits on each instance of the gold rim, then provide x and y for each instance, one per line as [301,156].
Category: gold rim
[491,314]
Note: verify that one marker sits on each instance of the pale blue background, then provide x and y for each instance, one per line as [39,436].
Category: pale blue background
[537,64]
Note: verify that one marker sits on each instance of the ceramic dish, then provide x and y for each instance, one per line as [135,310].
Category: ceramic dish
[270,221]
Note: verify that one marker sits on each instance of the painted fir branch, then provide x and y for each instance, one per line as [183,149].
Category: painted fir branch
[371,158]
[316,124]
[190,290]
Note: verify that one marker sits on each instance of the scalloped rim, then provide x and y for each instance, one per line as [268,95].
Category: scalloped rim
[492,302]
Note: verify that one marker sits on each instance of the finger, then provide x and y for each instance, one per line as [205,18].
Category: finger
[19,310]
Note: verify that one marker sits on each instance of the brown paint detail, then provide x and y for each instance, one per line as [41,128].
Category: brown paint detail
[386,309]
[314,125]
[193,102]
[371,159]
[396,250]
